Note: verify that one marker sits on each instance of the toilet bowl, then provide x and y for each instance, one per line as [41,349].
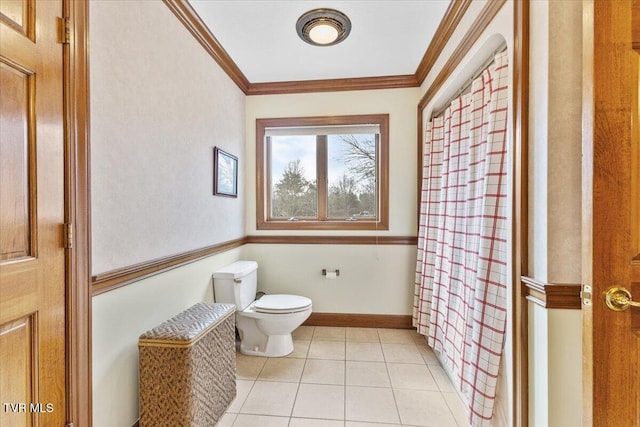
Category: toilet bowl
[265,324]
[268,333]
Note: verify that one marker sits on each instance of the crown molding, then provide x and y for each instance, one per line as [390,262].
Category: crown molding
[483,20]
[196,26]
[449,23]
[333,85]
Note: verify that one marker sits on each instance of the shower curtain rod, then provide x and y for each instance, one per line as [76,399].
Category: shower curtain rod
[467,84]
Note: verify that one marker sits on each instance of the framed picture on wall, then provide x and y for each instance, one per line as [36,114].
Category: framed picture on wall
[225,173]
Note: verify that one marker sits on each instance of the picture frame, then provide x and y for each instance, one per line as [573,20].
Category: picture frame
[225,173]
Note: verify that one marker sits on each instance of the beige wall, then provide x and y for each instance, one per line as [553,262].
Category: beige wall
[400,104]
[374,279]
[555,208]
[159,104]
[555,141]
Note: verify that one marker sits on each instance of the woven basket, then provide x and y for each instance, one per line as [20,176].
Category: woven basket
[188,368]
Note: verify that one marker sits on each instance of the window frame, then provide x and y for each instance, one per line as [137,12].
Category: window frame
[263,222]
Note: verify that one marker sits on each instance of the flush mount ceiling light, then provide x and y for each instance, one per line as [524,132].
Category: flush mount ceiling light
[323,27]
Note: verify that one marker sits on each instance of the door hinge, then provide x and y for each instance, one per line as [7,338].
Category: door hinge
[68,235]
[64,30]
[585,295]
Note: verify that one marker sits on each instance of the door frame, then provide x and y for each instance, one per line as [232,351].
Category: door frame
[520,248]
[77,213]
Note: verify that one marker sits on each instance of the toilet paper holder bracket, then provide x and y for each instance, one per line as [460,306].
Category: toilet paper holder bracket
[324,272]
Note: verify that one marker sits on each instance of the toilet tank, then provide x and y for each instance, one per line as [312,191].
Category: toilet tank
[236,283]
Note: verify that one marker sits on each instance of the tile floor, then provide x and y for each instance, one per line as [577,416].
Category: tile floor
[346,377]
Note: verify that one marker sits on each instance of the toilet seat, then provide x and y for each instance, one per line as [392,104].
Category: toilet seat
[280,303]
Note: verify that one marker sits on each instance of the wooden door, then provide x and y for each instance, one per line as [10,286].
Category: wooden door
[32,255]
[611,240]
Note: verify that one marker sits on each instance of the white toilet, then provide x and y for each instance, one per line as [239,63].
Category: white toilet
[265,325]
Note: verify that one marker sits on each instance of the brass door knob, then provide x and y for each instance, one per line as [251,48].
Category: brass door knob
[620,299]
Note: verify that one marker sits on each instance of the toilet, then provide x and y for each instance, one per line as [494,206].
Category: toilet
[265,324]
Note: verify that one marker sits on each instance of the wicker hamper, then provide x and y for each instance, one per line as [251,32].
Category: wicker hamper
[188,368]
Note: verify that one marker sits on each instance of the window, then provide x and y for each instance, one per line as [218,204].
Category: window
[323,173]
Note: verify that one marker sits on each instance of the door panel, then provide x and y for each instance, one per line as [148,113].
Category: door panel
[17,122]
[16,379]
[19,15]
[612,191]
[32,256]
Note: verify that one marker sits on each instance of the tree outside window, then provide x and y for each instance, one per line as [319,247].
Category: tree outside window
[323,173]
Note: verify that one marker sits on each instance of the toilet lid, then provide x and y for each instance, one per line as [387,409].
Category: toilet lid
[281,303]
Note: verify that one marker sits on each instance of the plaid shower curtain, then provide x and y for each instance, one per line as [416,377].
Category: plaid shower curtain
[460,292]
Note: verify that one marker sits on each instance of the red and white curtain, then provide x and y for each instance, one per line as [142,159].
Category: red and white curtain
[460,292]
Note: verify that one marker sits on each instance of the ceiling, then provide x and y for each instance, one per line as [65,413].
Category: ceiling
[388,38]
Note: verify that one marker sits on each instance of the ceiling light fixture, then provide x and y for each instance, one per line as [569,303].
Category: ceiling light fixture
[323,27]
